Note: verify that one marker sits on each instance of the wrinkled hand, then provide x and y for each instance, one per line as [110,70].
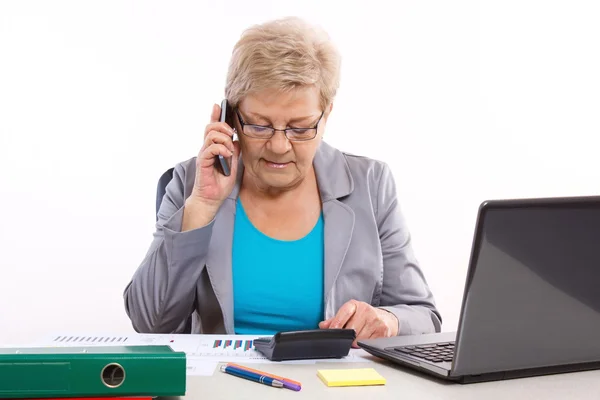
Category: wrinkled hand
[367,321]
[210,186]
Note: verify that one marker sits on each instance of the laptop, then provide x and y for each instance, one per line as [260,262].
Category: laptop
[531,303]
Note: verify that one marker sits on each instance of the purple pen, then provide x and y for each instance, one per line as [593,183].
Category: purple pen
[291,386]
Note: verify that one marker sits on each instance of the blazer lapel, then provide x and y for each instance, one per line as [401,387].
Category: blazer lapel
[335,181]
[339,224]
[218,261]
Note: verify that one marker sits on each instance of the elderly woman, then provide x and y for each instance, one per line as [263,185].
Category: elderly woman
[300,235]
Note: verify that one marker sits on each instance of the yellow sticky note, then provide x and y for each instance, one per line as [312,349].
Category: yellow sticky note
[350,377]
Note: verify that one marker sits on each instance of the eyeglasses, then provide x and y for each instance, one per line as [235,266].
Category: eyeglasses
[267,132]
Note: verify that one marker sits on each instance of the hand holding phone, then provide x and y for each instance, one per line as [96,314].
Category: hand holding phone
[216,170]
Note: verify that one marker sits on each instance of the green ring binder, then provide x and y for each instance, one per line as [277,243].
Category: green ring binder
[48,372]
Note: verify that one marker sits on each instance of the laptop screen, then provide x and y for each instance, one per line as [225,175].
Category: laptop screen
[533,292]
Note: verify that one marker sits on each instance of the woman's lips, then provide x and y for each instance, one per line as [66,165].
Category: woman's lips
[277,165]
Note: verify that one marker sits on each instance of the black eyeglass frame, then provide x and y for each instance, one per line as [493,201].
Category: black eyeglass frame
[285,131]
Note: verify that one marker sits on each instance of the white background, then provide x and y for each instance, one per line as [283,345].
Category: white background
[465,100]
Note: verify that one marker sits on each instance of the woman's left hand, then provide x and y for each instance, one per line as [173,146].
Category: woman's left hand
[367,321]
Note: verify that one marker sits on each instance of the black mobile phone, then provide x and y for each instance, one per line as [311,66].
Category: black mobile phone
[220,162]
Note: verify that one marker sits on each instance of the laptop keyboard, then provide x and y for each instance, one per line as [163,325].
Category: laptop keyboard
[434,352]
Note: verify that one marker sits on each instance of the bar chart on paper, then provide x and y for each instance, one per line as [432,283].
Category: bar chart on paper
[245,345]
[227,348]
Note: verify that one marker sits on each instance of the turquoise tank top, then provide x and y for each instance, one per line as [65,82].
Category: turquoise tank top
[277,285]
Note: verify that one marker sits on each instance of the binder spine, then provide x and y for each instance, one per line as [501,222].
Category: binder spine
[100,375]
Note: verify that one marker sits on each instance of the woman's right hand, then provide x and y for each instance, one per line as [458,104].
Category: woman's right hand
[211,187]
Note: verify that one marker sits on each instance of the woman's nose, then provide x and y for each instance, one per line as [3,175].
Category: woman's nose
[279,143]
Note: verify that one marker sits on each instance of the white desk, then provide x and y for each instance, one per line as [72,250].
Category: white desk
[401,384]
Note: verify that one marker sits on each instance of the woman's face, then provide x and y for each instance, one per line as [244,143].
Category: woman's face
[280,163]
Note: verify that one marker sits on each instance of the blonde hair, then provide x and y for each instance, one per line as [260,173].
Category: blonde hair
[283,54]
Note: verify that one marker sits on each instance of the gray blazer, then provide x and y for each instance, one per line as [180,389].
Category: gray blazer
[368,254]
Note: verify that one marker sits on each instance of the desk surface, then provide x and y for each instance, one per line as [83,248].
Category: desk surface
[401,383]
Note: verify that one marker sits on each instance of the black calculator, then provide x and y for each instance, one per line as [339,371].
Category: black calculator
[309,344]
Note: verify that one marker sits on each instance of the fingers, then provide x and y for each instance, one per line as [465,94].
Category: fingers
[358,322]
[371,322]
[215,125]
[325,324]
[207,158]
[372,329]
[219,127]
[215,114]
[218,141]
[343,315]
[367,321]
[221,138]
